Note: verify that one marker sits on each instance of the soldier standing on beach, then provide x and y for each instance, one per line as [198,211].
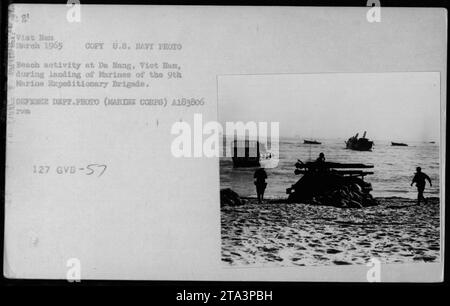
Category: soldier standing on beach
[321,158]
[419,179]
[260,177]
[320,162]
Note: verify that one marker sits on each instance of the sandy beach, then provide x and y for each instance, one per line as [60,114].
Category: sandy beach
[281,234]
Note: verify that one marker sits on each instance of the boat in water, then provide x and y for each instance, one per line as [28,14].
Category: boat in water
[251,153]
[398,144]
[359,144]
[305,141]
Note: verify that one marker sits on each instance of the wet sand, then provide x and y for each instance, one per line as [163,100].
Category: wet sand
[281,234]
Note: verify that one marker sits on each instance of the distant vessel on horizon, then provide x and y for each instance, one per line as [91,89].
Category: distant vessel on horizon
[306,141]
[398,144]
[359,144]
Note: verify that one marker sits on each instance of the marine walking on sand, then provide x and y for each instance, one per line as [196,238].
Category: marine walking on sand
[260,177]
[419,179]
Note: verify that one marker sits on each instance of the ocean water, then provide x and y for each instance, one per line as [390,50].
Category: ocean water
[393,169]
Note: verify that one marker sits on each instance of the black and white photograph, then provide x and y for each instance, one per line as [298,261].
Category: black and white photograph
[356,176]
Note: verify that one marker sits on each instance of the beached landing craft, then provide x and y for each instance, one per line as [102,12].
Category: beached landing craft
[246,153]
[398,144]
[323,184]
[359,144]
[250,153]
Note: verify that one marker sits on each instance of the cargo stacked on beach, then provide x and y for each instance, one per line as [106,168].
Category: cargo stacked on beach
[332,184]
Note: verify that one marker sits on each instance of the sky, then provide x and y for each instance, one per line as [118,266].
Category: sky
[389,106]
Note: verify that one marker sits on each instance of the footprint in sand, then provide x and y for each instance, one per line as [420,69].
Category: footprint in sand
[339,262]
[271,256]
[319,257]
[268,249]
[425,258]
[333,251]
